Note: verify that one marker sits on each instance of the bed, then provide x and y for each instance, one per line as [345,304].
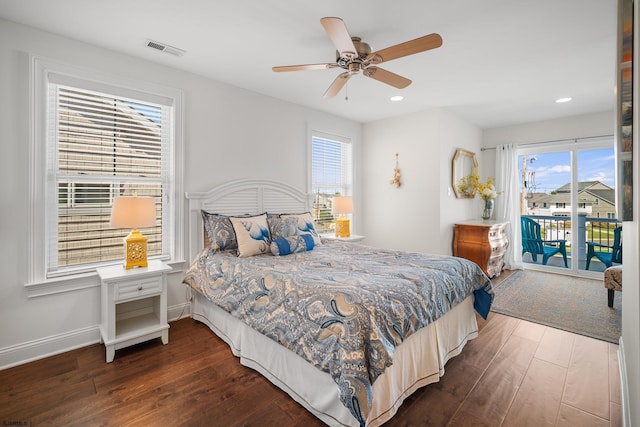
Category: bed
[348,331]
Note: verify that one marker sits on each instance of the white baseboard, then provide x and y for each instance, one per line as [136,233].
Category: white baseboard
[179,311]
[44,347]
[624,387]
[39,349]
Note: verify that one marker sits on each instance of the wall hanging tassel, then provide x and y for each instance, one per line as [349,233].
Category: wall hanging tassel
[396,175]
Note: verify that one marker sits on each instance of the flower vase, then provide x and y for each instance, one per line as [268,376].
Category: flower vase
[487,209]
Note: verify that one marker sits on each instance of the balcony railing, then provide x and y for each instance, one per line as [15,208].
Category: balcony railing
[554,227]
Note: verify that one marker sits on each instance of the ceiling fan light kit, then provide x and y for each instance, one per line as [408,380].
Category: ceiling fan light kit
[355,56]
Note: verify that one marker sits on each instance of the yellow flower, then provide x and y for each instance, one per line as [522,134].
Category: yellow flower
[472,185]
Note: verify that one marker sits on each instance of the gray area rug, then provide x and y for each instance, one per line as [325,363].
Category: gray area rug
[570,303]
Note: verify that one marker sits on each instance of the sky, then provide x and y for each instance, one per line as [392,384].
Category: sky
[553,170]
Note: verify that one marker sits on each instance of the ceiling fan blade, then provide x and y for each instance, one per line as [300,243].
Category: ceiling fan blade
[387,77]
[337,31]
[304,67]
[337,85]
[430,41]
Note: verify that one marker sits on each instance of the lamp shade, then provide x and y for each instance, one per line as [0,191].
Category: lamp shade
[342,205]
[133,212]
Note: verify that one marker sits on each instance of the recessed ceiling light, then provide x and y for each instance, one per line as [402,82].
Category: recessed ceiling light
[397,98]
[561,100]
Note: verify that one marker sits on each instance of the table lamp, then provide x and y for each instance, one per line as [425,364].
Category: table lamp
[134,212]
[342,205]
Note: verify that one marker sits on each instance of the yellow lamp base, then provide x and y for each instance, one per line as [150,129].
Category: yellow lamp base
[135,245]
[343,227]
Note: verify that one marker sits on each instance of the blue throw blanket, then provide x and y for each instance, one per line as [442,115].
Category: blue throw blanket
[343,307]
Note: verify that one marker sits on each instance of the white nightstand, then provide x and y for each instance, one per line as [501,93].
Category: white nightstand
[134,305]
[353,238]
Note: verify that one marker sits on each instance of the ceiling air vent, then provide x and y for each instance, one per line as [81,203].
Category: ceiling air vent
[165,48]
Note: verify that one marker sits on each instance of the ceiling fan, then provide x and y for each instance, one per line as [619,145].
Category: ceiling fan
[354,55]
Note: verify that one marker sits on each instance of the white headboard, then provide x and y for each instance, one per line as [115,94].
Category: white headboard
[245,196]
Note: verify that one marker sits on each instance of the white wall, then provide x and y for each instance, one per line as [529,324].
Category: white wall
[228,133]
[419,215]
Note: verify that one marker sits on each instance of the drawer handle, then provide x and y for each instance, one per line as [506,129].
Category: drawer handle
[139,287]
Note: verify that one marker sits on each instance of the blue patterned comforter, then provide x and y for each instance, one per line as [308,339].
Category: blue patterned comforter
[343,307]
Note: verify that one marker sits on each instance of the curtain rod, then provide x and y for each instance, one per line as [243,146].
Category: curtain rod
[526,144]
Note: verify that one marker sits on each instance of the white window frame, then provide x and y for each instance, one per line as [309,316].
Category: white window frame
[348,184]
[44,71]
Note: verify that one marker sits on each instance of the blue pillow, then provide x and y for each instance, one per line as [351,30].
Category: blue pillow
[291,245]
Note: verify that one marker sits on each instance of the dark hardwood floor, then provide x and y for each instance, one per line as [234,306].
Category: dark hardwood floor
[515,373]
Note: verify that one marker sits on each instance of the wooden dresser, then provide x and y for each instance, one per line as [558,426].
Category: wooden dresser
[483,242]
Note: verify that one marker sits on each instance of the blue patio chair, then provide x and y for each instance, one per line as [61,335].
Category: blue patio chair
[532,242]
[611,254]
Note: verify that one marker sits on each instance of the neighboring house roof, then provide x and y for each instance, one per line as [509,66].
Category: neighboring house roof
[608,196]
[584,185]
[536,197]
[594,189]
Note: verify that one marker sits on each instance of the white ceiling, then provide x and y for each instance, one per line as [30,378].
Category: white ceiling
[502,62]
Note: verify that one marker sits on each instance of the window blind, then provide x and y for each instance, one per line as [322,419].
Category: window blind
[331,176]
[102,146]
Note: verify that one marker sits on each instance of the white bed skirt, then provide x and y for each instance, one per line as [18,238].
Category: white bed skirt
[417,362]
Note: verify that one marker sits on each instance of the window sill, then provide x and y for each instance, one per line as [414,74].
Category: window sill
[76,282]
[62,284]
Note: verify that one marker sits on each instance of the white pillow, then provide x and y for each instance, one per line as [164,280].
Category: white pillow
[252,234]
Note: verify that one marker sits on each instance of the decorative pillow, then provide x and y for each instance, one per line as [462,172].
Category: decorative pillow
[305,225]
[293,244]
[252,235]
[219,231]
[282,227]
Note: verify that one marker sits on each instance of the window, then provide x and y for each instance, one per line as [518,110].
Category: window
[331,175]
[104,146]
[98,138]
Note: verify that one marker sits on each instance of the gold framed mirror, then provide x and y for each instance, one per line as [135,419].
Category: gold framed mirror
[464,163]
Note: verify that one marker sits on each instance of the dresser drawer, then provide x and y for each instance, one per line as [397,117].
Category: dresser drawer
[138,288]
[497,233]
[494,266]
[499,247]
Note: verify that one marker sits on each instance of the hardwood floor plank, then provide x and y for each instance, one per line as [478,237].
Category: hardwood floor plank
[50,395]
[530,330]
[463,419]
[490,399]
[537,401]
[494,334]
[556,346]
[572,417]
[38,370]
[616,415]
[588,372]
[435,404]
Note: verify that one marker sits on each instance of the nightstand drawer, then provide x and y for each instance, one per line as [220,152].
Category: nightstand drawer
[138,288]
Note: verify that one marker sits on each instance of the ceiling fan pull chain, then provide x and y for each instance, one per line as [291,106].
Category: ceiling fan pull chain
[346,92]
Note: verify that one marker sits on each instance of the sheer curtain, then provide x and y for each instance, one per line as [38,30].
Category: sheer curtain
[508,206]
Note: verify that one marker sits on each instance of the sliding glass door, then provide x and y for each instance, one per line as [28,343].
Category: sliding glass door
[567,205]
